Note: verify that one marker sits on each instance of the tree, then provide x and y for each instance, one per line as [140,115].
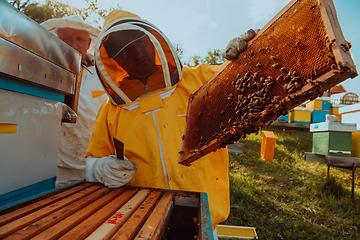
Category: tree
[213,58]
[53,9]
[179,50]
[18,5]
[49,10]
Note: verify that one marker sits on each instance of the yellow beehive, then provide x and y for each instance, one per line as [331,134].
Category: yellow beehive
[300,115]
[319,104]
[268,146]
[355,143]
[334,110]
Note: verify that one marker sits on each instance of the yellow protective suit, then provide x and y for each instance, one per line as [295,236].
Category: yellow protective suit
[151,128]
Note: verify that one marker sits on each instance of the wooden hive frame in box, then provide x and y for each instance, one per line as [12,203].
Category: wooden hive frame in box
[297,56]
[93,211]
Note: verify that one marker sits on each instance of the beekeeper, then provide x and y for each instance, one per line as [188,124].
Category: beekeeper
[148,91]
[75,137]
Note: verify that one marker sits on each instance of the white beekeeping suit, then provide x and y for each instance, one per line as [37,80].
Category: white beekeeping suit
[75,136]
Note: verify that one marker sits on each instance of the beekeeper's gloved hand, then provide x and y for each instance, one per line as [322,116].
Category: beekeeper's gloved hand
[110,170]
[238,45]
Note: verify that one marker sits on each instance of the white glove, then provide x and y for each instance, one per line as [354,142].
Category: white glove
[110,170]
[238,45]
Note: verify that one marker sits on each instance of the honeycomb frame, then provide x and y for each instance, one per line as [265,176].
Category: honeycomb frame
[297,56]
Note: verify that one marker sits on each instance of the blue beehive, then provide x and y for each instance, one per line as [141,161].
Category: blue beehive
[319,116]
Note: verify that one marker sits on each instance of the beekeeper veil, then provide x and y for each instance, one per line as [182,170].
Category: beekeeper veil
[123,35]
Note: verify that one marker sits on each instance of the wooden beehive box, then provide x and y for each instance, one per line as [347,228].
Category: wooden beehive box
[297,56]
[332,138]
[93,211]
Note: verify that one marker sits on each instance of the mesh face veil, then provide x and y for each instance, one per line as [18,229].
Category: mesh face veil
[114,41]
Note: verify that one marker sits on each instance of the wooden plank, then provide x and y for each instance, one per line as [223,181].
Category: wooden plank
[237,232]
[86,227]
[236,148]
[18,213]
[72,221]
[333,29]
[111,225]
[154,226]
[24,221]
[50,220]
[345,162]
[132,226]
[313,157]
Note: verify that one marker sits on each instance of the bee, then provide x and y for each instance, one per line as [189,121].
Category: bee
[290,73]
[346,46]
[261,49]
[275,65]
[197,151]
[313,6]
[309,81]
[331,56]
[330,44]
[259,65]
[283,69]
[316,71]
[297,44]
[181,152]
[295,79]
[273,57]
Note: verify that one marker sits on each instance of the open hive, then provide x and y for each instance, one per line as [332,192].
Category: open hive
[93,211]
[297,56]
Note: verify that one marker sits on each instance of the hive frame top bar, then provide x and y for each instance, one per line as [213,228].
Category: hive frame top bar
[344,69]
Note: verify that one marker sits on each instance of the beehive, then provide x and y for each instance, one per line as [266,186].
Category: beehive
[300,115]
[93,211]
[355,144]
[319,116]
[319,104]
[297,56]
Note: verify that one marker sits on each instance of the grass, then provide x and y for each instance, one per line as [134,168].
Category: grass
[290,198]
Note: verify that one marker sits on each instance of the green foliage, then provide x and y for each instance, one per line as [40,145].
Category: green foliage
[212,58]
[49,10]
[291,198]
[54,9]
[179,50]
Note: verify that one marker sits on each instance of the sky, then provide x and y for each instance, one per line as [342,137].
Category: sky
[202,25]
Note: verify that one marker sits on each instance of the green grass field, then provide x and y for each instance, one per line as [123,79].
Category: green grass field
[290,198]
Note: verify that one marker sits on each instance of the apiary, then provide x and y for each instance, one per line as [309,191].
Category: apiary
[93,211]
[297,56]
